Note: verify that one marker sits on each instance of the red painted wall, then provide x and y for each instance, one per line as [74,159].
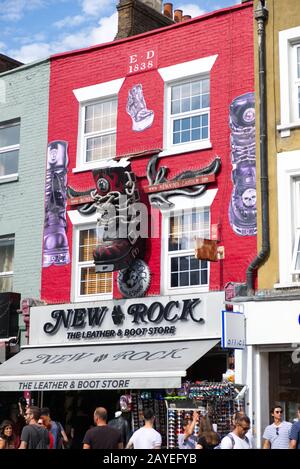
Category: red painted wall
[229,34]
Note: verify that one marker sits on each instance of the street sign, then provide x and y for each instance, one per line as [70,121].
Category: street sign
[233,330]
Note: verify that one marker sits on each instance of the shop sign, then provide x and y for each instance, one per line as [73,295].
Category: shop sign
[141,319]
[233,330]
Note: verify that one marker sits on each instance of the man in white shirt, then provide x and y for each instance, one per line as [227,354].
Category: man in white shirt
[237,439]
[146,437]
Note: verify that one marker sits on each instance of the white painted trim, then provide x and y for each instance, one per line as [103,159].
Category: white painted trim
[187,69]
[286,40]
[181,203]
[194,146]
[77,218]
[75,296]
[9,178]
[288,167]
[101,90]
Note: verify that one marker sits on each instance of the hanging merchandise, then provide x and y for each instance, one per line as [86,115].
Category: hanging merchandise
[154,400]
[218,401]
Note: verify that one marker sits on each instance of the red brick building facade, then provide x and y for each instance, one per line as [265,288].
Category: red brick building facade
[213,54]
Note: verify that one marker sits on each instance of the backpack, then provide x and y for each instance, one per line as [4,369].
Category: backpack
[59,437]
[233,442]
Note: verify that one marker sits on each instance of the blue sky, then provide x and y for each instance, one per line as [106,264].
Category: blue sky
[33,29]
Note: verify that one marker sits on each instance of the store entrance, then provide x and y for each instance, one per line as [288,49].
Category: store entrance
[284,383]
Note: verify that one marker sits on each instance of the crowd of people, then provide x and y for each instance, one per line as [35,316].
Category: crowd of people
[41,432]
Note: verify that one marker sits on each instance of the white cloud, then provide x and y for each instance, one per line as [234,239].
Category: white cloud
[2,46]
[191,9]
[104,32]
[70,22]
[95,7]
[13,10]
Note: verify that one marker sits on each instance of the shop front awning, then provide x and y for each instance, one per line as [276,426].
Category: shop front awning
[104,367]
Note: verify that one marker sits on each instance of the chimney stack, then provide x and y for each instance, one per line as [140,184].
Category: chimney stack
[168,10]
[178,16]
[186,17]
[140,16]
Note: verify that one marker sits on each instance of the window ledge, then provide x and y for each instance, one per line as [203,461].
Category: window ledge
[187,291]
[87,298]
[9,178]
[90,166]
[287,285]
[186,149]
[285,129]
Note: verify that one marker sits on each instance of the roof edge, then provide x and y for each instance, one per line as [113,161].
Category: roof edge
[222,11]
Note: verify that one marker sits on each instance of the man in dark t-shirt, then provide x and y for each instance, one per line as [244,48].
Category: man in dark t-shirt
[34,436]
[102,436]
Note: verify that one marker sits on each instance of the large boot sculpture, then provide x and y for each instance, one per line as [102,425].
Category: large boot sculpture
[56,248]
[118,238]
[242,208]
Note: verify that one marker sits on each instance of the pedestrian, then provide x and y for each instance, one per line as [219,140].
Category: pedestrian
[46,423]
[34,436]
[295,433]
[60,438]
[249,433]
[146,437]
[7,437]
[237,439]
[120,422]
[207,438]
[187,439]
[277,435]
[102,436]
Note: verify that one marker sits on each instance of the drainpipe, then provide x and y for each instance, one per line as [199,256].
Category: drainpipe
[261,16]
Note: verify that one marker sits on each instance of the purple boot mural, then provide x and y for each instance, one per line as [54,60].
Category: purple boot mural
[56,248]
[242,208]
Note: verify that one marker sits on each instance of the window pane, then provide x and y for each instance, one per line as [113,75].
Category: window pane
[195,278]
[9,162]
[6,254]
[92,283]
[174,280]
[175,107]
[205,100]
[196,88]
[195,102]
[203,277]
[9,135]
[185,105]
[184,279]
[174,264]
[184,263]
[98,148]
[298,62]
[6,283]
[185,90]
[175,92]
[87,242]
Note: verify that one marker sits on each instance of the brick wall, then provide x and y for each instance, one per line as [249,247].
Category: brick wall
[24,95]
[230,36]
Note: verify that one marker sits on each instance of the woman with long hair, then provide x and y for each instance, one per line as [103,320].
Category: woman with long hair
[207,437]
[7,437]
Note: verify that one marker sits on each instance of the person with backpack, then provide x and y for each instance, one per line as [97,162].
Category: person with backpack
[59,435]
[34,436]
[237,439]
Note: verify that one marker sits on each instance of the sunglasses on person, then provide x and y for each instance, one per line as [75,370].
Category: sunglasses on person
[278,412]
[277,431]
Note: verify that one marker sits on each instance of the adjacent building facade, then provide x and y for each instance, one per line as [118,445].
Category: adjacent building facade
[270,365]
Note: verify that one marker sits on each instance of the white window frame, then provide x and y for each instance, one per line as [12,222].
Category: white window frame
[91,95]
[181,203]
[288,171]
[13,176]
[176,74]
[289,39]
[81,222]
[8,273]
